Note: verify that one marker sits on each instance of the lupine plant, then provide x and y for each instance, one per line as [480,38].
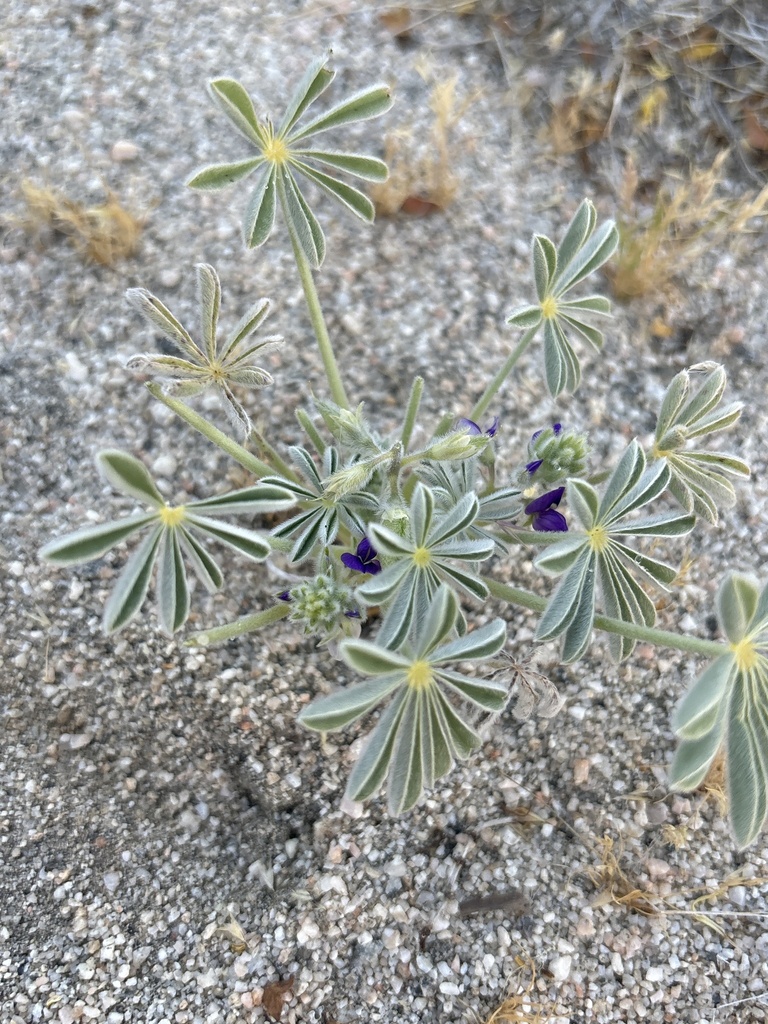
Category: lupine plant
[413,533]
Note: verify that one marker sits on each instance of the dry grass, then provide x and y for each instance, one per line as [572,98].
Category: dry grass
[519,1008]
[421,178]
[581,117]
[613,884]
[686,218]
[102,234]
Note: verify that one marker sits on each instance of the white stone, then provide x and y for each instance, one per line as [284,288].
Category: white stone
[124,151]
[449,988]
[560,968]
[655,974]
[164,465]
[111,880]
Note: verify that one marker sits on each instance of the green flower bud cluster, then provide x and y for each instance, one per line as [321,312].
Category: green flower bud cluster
[319,603]
[556,454]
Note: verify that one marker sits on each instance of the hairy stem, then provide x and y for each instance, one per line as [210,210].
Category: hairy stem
[660,637]
[219,438]
[266,449]
[318,320]
[311,431]
[417,388]
[244,625]
[490,392]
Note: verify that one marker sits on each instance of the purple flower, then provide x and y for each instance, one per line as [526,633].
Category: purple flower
[353,614]
[285,596]
[364,558]
[473,428]
[545,518]
[531,467]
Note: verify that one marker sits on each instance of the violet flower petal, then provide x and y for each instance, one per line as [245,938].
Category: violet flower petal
[550,521]
[544,501]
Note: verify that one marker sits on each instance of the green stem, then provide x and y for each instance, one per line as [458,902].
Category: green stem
[318,321]
[244,625]
[660,637]
[277,462]
[219,438]
[417,389]
[311,431]
[504,372]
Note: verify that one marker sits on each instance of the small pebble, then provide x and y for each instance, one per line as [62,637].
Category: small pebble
[123,152]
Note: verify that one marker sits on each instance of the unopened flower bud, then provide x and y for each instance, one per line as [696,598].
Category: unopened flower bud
[556,454]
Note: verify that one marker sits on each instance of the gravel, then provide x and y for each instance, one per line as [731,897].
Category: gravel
[171,842]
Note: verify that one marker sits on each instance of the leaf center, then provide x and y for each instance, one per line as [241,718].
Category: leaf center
[172,516]
[745,654]
[598,538]
[276,151]
[549,307]
[422,557]
[420,675]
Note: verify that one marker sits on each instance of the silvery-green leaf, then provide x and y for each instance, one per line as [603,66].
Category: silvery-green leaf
[442,746]
[353,199]
[235,411]
[205,567]
[161,318]
[704,491]
[261,497]
[93,541]
[250,377]
[694,498]
[369,168]
[578,632]
[209,298]
[301,221]
[309,537]
[245,328]
[694,759]
[544,260]
[475,646]
[462,737]
[406,773]
[439,621]
[705,398]
[589,304]
[373,764]
[230,97]
[172,590]
[463,550]
[327,714]
[626,474]
[466,581]
[696,714]
[360,107]
[389,543]
[422,511]
[428,757]
[219,176]
[382,586]
[590,334]
[736,603]
[169,367]
[260,212]
[128,475]
[501,504]
[665,524]
[564,602]
[713,462]
[370,659]
[401,615]
[296,523]
[525,316]
[306,466]
[314,82]
[672,403]
[248,543]
[132,584]
[561,556]
[623,599]
[651,484]
[760,619]
[596,251]
[584,501]
[461,516]
[716,421]
[579,229]
[747,785]
[651,568]
[488,694]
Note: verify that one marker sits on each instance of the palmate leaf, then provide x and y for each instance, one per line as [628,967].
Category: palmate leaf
[93,541]
[132,584]
[284,152]
[421,732]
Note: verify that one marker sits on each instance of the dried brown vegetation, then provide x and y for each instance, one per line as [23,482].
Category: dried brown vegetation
[104,233]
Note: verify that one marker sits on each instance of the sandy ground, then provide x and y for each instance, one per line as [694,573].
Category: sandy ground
[154,794]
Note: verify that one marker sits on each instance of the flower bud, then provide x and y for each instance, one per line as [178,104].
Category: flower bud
[319,604]
[555,454]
